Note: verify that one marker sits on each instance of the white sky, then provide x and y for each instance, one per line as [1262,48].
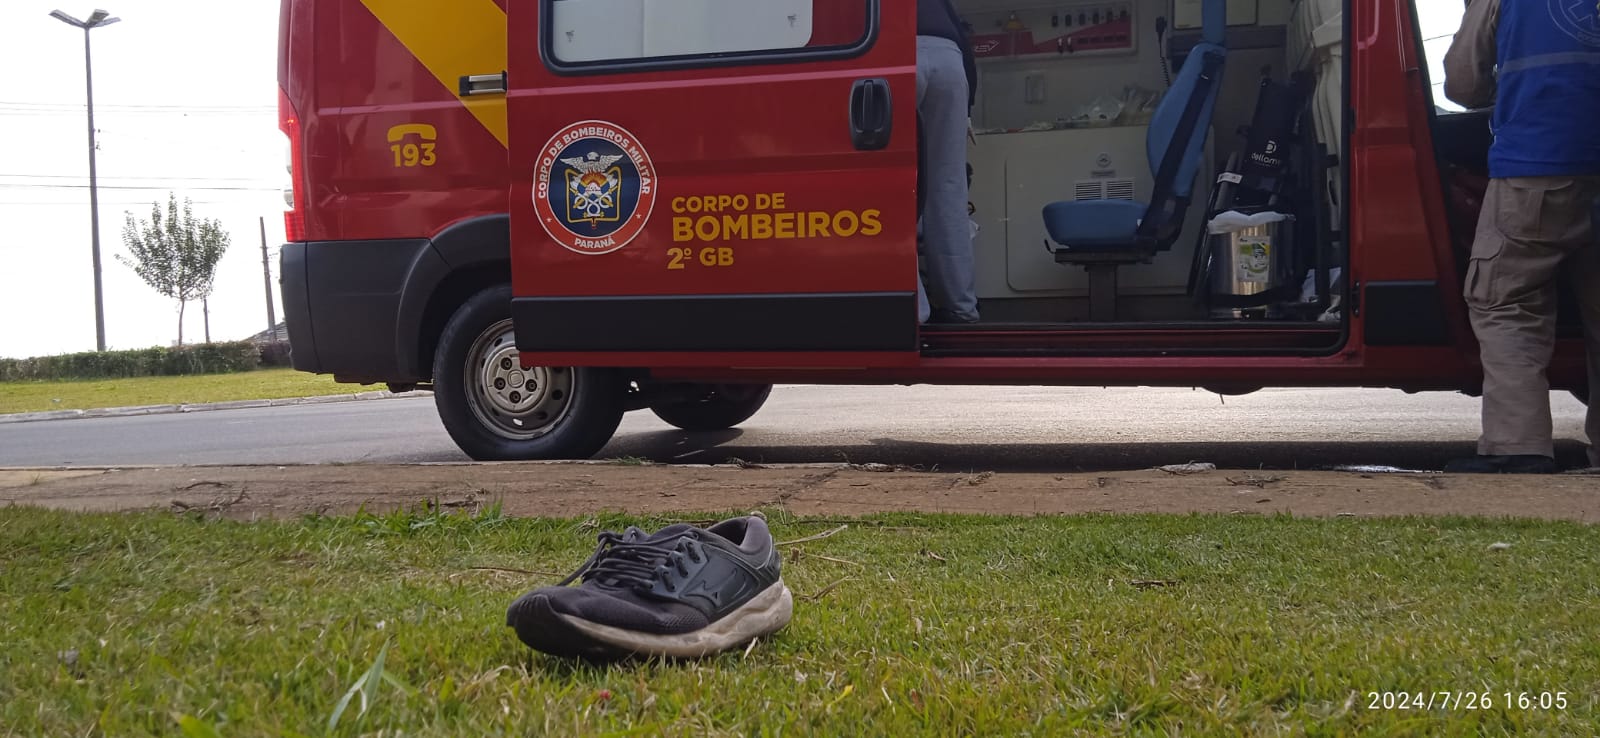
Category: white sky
[1439,20]
[185,100]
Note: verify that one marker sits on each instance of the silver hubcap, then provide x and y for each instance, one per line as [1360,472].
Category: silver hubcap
[512,401]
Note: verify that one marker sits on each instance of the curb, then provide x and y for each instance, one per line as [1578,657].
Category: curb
[128,412]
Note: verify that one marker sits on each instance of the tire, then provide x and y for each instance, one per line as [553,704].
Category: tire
[496,411]
[714,407]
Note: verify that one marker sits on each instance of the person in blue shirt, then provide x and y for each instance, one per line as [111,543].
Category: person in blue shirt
[947,84]
[1537,63]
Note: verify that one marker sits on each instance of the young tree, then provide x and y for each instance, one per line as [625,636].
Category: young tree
[174,253]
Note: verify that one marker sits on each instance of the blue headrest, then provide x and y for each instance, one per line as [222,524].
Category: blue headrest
[1214,21]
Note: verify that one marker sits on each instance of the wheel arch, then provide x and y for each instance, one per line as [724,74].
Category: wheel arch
[472,255]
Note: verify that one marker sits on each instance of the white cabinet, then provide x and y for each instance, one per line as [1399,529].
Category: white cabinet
[1017,174]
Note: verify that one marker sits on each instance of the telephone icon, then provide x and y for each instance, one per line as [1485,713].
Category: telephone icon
[413,153]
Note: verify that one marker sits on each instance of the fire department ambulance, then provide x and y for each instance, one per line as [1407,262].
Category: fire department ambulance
[553,212]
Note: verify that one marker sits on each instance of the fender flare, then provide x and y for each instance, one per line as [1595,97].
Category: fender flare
[477,243]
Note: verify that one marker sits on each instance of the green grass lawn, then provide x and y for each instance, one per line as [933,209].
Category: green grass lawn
[1146,625]
[265,384]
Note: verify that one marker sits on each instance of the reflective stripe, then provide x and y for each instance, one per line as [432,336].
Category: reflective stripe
[1550,60]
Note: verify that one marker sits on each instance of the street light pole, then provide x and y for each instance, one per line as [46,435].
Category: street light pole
[97,19]
[94,202]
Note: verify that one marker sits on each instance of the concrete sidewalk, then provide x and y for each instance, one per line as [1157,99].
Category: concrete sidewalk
[586,488]
[122,412]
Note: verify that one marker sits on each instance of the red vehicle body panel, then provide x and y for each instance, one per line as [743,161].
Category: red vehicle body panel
[357,191]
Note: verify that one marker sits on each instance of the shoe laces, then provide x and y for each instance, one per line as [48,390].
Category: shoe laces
[622,560]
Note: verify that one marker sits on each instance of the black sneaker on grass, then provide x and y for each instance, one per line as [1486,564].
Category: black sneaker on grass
[680,592]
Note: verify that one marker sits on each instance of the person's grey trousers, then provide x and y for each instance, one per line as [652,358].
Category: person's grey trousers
[947,238]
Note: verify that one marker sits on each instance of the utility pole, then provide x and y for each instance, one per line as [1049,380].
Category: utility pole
[266,277]
[97,19]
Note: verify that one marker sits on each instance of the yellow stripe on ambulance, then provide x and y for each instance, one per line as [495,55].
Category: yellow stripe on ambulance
[452,39]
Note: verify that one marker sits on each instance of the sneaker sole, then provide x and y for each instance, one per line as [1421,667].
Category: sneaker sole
[766,613]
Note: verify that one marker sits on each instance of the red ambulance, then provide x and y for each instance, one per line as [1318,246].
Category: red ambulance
[553,212]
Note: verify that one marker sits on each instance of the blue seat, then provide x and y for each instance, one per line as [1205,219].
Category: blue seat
[1102,235]
[1093,224]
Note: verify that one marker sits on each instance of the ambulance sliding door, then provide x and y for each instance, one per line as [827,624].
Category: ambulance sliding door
[713,182]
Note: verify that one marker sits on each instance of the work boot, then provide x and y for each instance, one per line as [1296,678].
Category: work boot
[1524,464]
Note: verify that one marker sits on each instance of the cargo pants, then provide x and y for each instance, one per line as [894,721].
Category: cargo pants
[1531,231]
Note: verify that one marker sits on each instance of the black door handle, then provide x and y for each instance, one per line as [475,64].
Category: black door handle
[871,114]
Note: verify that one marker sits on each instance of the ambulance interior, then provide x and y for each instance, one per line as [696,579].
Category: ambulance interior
[1069,116]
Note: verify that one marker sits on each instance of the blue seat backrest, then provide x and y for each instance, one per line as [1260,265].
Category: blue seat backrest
[1164,122]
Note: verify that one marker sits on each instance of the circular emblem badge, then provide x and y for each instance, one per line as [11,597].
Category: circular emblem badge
[1579,19]
[594,188]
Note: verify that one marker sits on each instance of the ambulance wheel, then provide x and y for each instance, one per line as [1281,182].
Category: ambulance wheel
[495,410]
[713,407]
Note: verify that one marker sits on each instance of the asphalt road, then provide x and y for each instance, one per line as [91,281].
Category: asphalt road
[951,428]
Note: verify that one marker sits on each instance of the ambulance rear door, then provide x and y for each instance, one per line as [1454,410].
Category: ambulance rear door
[713,182]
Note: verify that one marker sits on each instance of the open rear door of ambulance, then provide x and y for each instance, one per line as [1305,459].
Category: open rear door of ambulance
[713,182]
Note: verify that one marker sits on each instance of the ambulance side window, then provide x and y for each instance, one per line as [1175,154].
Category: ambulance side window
[584,34]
